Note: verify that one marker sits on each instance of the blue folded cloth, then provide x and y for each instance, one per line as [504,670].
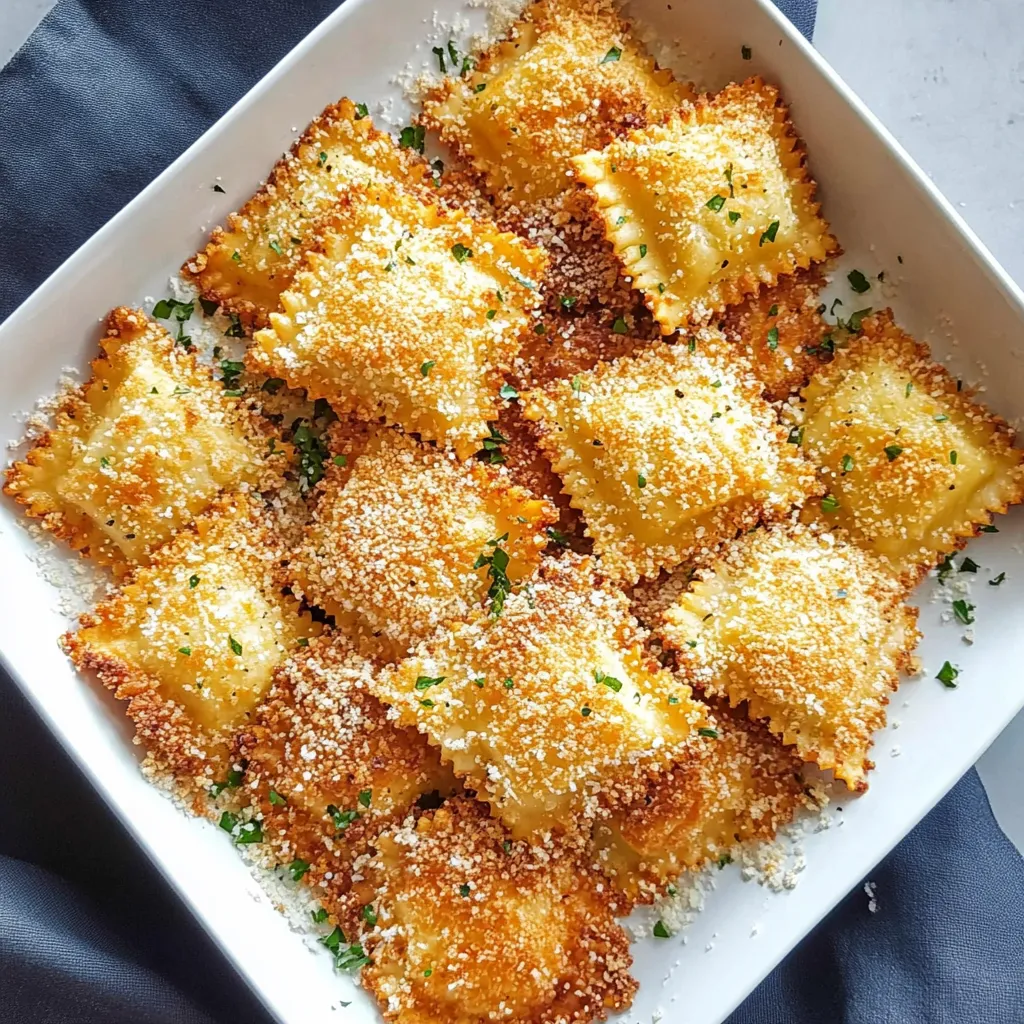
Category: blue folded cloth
[102,97]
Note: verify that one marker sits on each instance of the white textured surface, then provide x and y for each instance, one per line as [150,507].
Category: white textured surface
[947,79]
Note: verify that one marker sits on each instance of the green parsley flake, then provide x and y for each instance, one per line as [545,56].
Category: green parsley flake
[947,675]
[362,111]
[461,252]
[769,235]
[643,250]
[411,137]
[369,915]
[276,799]
[427,367]
[425,682]
[773,339]
[796,435]
[298,869]
[715,203]
[567,302]
[733,215]
[365,796]
[746,52]
[968,565]
[464,890]
[661,930]
[641,481]
[953,458]
[893,452]
[619,326]
[996,580]
[185,650]
[612,55]
[236,647]
[611,682]
[964,612]
[711,734]
[830,503]
[858,282]
[847,463]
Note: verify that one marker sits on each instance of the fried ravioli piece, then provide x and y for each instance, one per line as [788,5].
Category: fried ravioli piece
[569,77]
[410,313]
[780,330]
[668,453]
[396,537]
[735,783]
[549,708]
[912,465]
[327,768]
[140,449]
[706,208]
[473,927]
[191,640]
[810,631]
[246,266]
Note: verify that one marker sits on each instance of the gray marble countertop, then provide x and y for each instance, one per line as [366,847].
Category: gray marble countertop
[947,78]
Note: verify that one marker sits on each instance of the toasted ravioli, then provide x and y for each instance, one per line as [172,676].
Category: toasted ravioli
[471,926]
[409,313]
[551,707]
[706,208]
[140,449]
[912,465]
[191,640]
[568,78]
[810,631]
[247,265]
[394,546]
[326,767]
[668,453]
[735,783]
[780,330]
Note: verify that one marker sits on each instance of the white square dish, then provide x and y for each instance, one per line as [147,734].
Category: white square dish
[945,288]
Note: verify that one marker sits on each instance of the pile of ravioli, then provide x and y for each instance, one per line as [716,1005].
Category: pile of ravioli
[545,531]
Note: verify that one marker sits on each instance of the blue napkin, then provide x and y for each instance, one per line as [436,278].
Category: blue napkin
[101,98]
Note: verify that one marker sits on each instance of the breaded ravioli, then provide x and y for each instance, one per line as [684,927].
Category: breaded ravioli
[471,926]
[812,633]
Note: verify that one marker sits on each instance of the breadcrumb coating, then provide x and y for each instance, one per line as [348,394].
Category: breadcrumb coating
[707,208]
[569,77]
[408,312]
[326,767]
[734,783]
[913,466]
[389,582]
[780,329]
[140,449]
[550,709]
[246,266]
[473,927]
[191,640]
[810,631]
[669,453]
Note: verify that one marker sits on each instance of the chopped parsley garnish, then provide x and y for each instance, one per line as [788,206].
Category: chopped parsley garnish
[611,682]
[479,87]
[235,329]
[728,178]
[236,256]
[426,682]
[953,457]
[947,675]
[773,339]
[968,565]
[165,307]
[491,451]
[746,53]
[231,369]
[796,435]
[774,311]
[661,930]
[621,220]
[322,159]
[275,245]
[340,460]
[236,647]
[185,650]
[847,463]
[228,821]
[940,418]
[491,314]
[193,582]
[369,915]
[711,734]
[963,611]
[726,858]
[461,253]
[539,329]
[210,306]
[413,137]
[908,389]
[342,819]
[769,235]
[217,188]
[715,203]
[233,781]
[641,481]
[988,528]
[567,301]
[311,452]
[612,55]
[557,537]
[576,385]
[464,890]
[319,915]
[996,580]
[619,326]
[272,385]
[276,799]
[893,452]
[249,832]
[508,682]
[427,367]
[508,392]
[361,111]
[365,797]
[858,282]
[298,869]
[830,503]
[439,52]
[501,586]
[105,462]
[585,711]
[733,215]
